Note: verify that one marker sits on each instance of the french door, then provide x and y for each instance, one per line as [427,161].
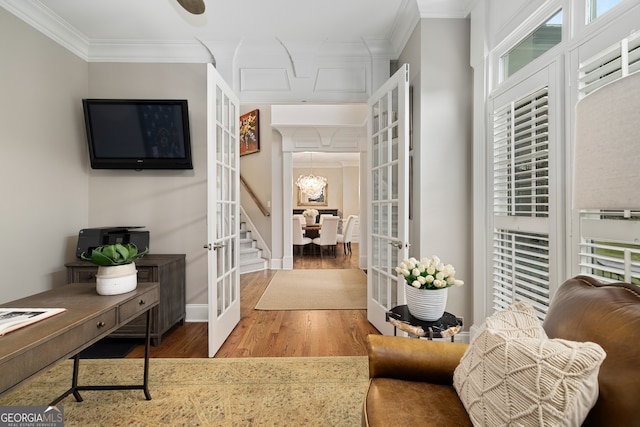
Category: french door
[223,209]
[388,211]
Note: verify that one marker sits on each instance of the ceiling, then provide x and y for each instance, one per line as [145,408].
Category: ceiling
[268,51]
[379,24]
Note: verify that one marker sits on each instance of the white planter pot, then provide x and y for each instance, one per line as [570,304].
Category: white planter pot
[116,279]
[310,220]
[426,304]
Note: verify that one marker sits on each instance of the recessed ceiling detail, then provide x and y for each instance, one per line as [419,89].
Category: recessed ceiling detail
[341,80]
[264,80]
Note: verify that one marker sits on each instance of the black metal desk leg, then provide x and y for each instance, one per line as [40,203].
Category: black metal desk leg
[146,357]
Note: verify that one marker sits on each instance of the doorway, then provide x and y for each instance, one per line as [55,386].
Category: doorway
[340,197]
[330,130]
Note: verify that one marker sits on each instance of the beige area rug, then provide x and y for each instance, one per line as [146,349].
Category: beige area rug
[287,391]
[336,289]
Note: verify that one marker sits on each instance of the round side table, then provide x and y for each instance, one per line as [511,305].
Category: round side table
[447,326]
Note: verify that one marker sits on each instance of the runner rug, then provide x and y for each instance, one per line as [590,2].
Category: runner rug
[329,289]
[274,391]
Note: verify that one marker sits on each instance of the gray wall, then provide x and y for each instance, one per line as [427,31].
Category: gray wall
[43,166]
[171,204]
[441,79]
[49,191]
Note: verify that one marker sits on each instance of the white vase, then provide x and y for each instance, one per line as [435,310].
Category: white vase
[310,220]
[116,279]
[426,304]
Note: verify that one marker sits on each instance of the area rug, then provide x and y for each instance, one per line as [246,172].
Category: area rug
[331,289]
[289,391]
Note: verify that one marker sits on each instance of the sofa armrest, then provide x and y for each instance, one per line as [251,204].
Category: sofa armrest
[413,359]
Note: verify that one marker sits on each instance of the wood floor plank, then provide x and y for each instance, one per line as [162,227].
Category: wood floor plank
[293,333]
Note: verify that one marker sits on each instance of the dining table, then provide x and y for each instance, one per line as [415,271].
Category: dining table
[312,230]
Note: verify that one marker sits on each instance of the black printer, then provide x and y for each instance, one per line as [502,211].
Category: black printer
[91,238]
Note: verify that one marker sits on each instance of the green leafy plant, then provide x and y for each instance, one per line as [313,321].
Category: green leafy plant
[116,254]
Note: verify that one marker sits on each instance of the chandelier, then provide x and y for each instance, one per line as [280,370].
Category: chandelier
[311,184]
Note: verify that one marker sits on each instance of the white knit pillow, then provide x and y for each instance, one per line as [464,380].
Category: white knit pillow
[506,379]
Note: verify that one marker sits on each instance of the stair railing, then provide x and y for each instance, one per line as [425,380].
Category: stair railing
[264,210]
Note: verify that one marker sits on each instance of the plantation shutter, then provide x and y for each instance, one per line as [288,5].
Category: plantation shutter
[606,249]
[619,60]
[520,255]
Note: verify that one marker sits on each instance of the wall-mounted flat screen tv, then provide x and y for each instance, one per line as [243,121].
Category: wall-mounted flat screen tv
[138,134]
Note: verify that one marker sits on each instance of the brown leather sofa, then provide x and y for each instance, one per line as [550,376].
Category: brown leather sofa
[411,380]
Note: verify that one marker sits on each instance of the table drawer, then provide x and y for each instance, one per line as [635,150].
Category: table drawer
[131,309]
[85,275]
[34,360]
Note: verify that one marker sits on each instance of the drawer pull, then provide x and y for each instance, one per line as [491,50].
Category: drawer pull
[142,302]
[100,325]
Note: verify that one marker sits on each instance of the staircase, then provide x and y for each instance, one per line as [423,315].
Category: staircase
[250,255]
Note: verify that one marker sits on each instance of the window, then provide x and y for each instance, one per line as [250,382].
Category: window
[540,41]
[597,8]
[607,250]
[520,259]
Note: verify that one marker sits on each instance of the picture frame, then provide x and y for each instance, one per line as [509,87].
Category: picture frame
[305,200]
[250,132]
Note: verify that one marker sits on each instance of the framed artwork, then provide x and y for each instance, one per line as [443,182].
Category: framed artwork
[249,133]
[305,200]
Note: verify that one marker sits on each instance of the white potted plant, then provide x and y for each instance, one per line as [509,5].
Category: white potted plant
[310,215]
[427,283]
[117,272]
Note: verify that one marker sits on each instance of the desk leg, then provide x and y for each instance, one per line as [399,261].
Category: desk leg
[74,380]
[74,383]
[75,388]
[145,384]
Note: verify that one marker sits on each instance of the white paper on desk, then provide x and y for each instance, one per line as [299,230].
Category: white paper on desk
[16,318]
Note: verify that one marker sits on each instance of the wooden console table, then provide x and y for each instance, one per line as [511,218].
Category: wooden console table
[166,269]
[89,317]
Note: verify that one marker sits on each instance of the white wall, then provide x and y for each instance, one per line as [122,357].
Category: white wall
[43,167]
[172,205]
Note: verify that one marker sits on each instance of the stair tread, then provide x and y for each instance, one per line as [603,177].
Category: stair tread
[244,251]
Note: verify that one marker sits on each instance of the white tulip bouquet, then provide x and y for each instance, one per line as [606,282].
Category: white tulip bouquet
[310,213]
[428,273]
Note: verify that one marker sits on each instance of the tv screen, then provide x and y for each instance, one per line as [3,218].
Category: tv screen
[138,134]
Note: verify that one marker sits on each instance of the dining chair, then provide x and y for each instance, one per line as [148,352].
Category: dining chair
[322,217]
[299,240]
[328,237]
[347,235]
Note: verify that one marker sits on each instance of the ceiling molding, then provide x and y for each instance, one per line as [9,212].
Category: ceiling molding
[149,51]
[406,20]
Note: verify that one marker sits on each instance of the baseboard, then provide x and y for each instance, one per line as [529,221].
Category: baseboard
[197,313]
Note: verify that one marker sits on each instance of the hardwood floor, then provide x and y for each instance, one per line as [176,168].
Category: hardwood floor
[277,333]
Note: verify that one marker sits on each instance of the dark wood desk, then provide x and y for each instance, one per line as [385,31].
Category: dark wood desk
[311,230]
[89,317]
